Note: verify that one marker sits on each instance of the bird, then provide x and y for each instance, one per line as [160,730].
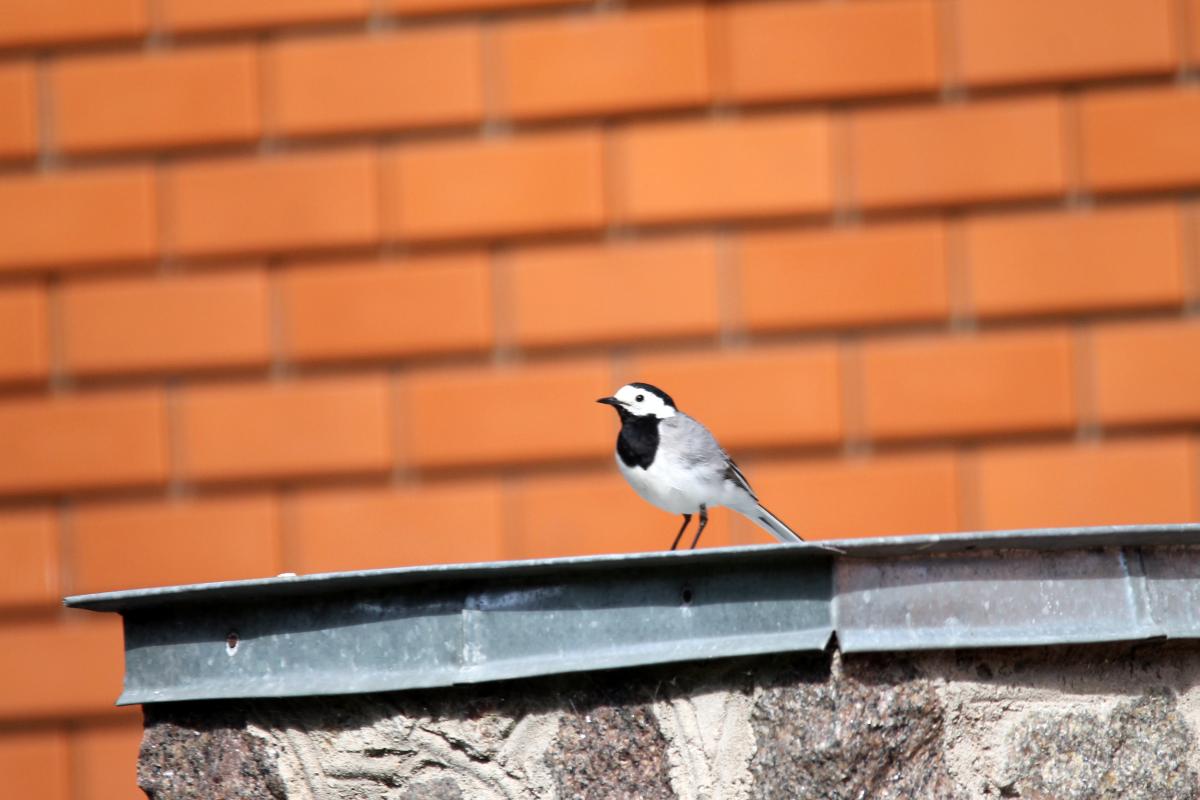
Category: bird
[673,462]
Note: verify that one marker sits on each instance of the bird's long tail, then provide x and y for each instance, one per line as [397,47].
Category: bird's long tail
[772,524]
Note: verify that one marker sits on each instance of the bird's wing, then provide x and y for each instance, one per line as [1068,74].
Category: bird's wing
[701,451]
[692,444]
[734,474]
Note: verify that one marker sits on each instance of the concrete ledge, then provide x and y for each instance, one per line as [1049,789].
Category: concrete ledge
[1066,722]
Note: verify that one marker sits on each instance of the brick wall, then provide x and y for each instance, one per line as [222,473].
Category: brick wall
[325,284]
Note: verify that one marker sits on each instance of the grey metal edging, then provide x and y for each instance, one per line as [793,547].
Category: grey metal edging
[989,599]
[422,635]
[437,626]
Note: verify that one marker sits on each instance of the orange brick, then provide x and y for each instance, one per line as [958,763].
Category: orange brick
[35,763]
[1147,372]
[841,499]
[935,155]
[1141,139]
[292,202]
[1193,16]
[766,397]
[604,63]
[596,512]
[104,758]
[778,50]
[675,171]
[19,107]
[372,309]
[167,98]
[166,323]
[24,334]
[350,529]
[32,22]
[1009,41]
[624,292]
[96,440]
[1135,482]
[200,15]
[40,667]
[29,559]
[492,416]
[86,217]
[1048,263]
[451,6]
[848,276]
[286,429]
[135,544]
[356,83]
[543,182]
[956,386]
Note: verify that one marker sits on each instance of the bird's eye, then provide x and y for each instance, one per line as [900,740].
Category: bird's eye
[640,398]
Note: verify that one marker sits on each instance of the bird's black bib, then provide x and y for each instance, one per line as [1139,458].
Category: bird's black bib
[637,443]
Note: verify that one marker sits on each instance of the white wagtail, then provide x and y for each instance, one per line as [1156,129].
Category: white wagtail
[673,462]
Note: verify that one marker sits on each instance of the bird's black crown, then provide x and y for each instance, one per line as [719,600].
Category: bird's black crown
[666,398]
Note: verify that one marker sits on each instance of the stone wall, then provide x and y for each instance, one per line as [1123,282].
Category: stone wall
[1061,723]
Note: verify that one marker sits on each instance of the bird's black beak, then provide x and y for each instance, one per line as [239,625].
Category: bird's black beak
[610,401]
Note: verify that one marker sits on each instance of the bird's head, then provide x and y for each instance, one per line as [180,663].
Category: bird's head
[641,400]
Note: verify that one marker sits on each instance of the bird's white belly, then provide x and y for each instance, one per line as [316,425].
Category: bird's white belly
[670,486]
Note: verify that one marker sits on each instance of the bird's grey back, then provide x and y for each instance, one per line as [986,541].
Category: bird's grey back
[687,440]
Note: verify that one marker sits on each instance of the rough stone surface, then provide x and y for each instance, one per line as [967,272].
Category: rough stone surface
[1055,723]
[438,744]
[609,748]
[192,752]
[434,789]
[872,730]
[703,711]
[1137,751]
[993,700]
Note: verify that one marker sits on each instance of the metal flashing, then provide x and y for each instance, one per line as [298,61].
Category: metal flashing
[384,630]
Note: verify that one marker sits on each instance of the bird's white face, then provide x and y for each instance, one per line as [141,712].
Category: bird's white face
[641,402]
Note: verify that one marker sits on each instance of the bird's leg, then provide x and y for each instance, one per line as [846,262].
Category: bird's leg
[703,522]
[686,519]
